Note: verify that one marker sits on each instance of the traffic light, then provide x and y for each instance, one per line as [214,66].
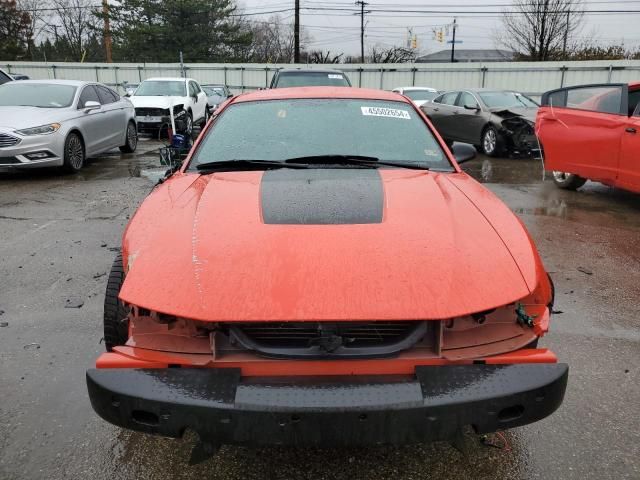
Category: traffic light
[414,42]
[440,36]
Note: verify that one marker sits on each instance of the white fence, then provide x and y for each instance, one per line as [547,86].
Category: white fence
[530,77]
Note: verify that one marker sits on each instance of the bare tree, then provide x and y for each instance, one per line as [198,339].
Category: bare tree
[37,14]
[320,56]
[75,23]
[390,55]
[541,29]
[273,41]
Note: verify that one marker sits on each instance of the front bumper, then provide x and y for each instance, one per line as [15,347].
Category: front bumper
[225,408]
[14,157]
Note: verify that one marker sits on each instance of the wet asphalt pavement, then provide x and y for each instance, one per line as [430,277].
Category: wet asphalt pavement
[58,238]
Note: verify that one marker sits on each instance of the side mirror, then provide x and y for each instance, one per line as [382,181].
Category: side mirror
[472,107]
[91,105]
[463,152]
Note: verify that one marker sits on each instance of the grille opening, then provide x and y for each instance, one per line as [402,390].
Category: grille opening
[144,417]
[510,413]
[332,339]
[307,334]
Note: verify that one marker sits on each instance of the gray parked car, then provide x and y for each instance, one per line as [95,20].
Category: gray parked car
[216,94]
[495,121]
[62,122]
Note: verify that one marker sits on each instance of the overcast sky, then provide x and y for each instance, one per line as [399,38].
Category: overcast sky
[339,30]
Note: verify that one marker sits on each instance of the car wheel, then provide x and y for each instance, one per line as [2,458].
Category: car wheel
[568,181]
[115,318]
[132,139]
[491,142]
[73,153]
[206,115]
[188,127]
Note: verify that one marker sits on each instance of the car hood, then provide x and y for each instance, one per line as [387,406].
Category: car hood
[16,118]
[307,245]
[528,113]
[156,101]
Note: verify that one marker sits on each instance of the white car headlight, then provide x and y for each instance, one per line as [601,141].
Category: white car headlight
[41,130]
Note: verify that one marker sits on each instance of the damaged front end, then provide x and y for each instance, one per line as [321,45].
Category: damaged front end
[518,132]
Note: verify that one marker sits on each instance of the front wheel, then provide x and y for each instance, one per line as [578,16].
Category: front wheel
[188,125]
[491,142]
[568,181]
[132,139]
[73,153]
[116,315]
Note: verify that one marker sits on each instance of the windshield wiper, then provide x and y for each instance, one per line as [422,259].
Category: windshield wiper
[231,165]
[358,160]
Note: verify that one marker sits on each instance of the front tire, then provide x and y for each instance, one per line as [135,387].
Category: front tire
[568,181]
[115,319]
[73,153]
[491,142]
[132,139]
[188,128]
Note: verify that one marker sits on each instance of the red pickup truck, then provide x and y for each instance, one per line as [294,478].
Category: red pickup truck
[592,132]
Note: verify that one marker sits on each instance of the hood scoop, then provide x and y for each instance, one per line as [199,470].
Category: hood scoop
[321,196]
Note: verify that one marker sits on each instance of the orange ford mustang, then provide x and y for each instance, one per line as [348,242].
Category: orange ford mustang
[321,272]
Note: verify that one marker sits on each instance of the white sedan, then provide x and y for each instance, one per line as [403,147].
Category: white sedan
[47,123]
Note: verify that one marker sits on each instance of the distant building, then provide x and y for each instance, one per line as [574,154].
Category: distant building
[468,55]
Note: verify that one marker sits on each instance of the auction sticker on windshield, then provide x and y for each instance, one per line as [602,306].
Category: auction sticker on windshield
[385,112]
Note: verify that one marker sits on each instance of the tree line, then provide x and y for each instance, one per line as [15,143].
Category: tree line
[218,31]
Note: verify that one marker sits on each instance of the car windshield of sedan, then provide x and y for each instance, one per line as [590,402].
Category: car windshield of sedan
[507,100]
[420,94]
[41,95]
[278,130]
[161,88]
[214,91]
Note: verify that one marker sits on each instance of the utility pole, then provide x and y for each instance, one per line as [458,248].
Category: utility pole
[453,43]
[566,35]
[107,31]
[362,5]
[296,34]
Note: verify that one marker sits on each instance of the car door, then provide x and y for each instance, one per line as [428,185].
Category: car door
[199,100]
[116,117]
[93,123]
[581,128]
[629,169]
[441,113]
[468,123]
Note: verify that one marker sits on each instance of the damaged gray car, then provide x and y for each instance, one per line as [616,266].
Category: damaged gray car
[496,122]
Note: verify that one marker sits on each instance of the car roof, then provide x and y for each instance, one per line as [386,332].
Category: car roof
[309,70]
[168,79]
[73,83]
[408,89]
[319,92]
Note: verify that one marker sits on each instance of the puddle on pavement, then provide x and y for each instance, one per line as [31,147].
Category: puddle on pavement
[505,170]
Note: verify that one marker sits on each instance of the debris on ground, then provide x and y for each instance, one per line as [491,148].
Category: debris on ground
[4,324]
[585,271]
[74,303]
[32,346]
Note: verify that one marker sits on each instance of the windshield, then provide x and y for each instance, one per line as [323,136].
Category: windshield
[311,79]
[158,88]
[506,100]
[43,95]
[277,130]
[211,91]
[420,94]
